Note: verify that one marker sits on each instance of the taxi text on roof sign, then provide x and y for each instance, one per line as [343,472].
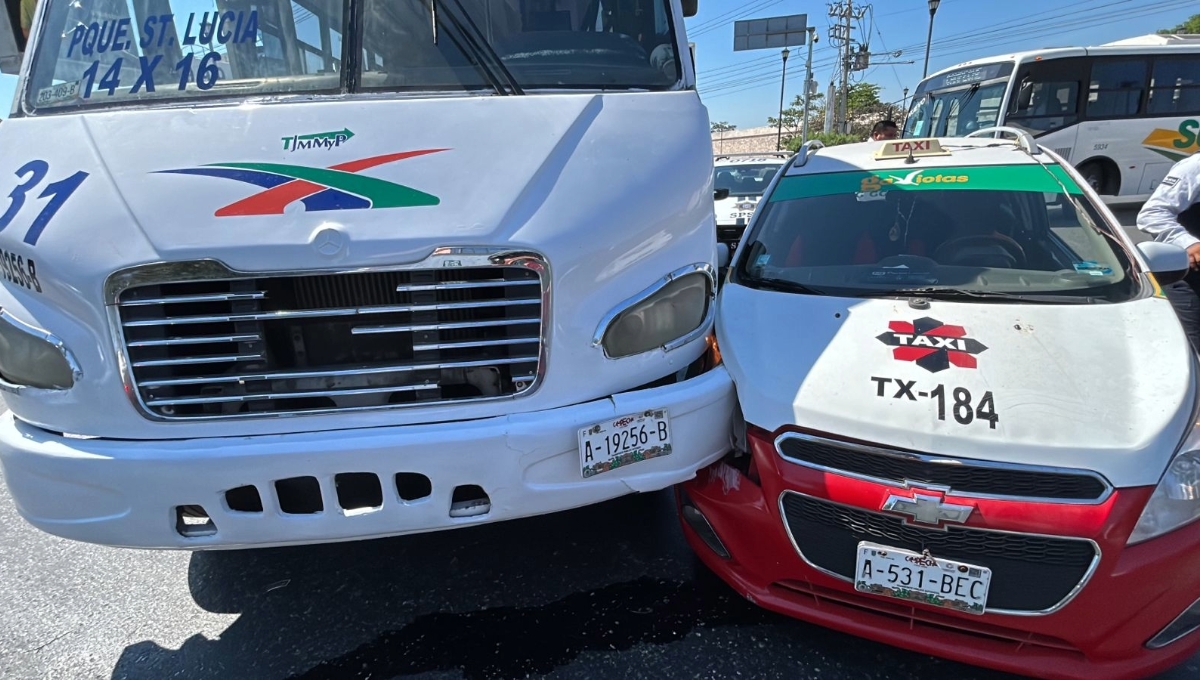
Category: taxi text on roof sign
[901,148]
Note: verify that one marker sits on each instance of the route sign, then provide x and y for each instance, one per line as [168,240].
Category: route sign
[770,33]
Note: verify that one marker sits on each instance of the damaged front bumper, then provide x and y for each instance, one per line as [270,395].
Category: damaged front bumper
[348,484]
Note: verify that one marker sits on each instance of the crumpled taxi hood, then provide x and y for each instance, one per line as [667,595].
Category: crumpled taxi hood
[1103,387]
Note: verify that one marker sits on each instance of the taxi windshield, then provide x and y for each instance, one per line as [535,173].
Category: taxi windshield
[1005,232]
[750,179]
[119,52]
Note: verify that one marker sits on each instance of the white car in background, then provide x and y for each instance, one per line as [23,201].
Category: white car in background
[738,182]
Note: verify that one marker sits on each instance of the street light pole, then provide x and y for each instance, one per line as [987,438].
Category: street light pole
[933,6]
[782,83]
[812,38]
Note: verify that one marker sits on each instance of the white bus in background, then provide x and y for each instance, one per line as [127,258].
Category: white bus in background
[1122,113]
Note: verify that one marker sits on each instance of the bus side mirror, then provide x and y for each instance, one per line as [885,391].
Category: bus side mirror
[689,7]
[721,194]
[1024,97]
[722,255]
[1168,262]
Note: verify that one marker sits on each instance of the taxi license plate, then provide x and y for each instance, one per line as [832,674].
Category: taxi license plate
[903,574]
[623,441]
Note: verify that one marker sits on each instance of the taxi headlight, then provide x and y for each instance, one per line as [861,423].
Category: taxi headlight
[31,357]
[669,314]
[1176,499]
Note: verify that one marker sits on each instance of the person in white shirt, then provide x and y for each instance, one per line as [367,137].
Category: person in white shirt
[1172,215]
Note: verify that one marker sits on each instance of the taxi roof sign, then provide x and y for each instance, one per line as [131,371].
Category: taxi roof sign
[903,148]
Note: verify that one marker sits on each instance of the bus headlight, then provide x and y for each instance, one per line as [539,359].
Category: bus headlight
[1176,499]
[669,314]
[31,357]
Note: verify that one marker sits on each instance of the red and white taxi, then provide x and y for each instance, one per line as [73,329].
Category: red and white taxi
[968,415]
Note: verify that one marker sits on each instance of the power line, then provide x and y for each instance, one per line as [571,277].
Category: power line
[1049,26]
[717,22]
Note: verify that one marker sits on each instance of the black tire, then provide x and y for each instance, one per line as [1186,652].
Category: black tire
[1095,175]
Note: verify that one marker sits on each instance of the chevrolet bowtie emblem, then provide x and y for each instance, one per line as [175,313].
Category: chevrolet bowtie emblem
[927,510]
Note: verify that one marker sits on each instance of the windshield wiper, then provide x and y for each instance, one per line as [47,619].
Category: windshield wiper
[477,47]
[781,285]
[982,296]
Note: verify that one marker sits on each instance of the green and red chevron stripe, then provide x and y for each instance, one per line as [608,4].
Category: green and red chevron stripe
[337,187]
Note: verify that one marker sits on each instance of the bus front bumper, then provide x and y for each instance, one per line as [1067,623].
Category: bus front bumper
[396,480]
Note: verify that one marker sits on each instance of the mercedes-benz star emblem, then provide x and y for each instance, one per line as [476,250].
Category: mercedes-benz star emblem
[328,242]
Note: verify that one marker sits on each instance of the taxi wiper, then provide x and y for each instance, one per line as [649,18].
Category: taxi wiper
[782,285]
[982,295]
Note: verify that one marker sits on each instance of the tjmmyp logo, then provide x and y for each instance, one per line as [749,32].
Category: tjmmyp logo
[320,140]
[338,187]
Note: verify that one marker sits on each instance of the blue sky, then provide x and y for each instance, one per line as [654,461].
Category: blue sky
[743,88]
[8,88]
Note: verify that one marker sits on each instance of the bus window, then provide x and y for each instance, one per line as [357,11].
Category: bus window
[1175,88]
[1116,88]
[1042,107]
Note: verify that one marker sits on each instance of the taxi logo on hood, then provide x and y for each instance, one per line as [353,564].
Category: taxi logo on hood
[931,344]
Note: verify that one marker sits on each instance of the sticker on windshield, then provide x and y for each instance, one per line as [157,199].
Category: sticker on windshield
[1093,269]
[931,344]
[58,94]
[876,184]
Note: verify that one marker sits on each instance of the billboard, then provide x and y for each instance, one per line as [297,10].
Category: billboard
[770,33]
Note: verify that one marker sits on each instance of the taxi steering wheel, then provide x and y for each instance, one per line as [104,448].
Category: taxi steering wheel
[947,251]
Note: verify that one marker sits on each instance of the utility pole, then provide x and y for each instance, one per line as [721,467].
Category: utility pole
[812,38]
[782,83]
[843,120]
[841,35]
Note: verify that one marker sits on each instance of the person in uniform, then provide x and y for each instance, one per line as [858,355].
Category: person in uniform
[1172,215]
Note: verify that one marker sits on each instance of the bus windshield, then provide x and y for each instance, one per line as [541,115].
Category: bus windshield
[953,113]
[113,51]
[958,102]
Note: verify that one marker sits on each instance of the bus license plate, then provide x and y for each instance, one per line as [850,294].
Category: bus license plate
[614,444]
[907,575]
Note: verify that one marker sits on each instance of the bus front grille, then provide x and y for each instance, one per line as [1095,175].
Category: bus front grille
[274,345]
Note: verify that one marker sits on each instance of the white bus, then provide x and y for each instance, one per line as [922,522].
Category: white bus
[296,271]
[1123,112]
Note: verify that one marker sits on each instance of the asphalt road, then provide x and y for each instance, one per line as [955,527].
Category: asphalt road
[603,592]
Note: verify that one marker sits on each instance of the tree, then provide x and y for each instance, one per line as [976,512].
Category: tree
[722,127]
[826,138]
[1192,25]
[793,117]
[863,98]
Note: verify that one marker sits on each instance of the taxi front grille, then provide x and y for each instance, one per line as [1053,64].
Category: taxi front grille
[270,345]
[1030,573]
[961,476]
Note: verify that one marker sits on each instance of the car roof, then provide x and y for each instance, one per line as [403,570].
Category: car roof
[961,151]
